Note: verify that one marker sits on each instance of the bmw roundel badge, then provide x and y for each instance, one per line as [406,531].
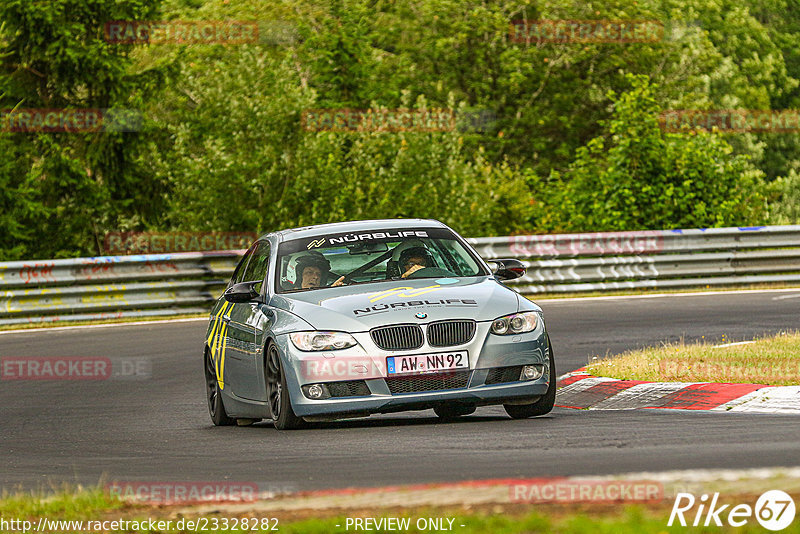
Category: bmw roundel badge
[420,315]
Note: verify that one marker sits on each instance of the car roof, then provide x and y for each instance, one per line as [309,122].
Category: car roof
[354,226]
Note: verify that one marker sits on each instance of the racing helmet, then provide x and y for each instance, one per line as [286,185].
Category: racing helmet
[415,252]
[312,259]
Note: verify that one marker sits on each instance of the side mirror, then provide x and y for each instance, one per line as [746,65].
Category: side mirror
[508,269]
[242,292]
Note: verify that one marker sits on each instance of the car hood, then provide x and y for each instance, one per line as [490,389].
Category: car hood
[358,308]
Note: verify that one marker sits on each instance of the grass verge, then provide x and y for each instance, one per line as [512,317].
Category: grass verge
[94,505]
[773,360]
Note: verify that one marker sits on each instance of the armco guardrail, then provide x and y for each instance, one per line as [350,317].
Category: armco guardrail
[167,284]
[664,259]
[112,286]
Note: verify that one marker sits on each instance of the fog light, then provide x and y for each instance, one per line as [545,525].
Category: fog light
[315,391]
[532,372]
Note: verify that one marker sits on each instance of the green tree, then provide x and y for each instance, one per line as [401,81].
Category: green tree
[574,147]
[551,96]
[786,207]
[54,55]
[637,177]
[336,53]
[20,206]
[240,159]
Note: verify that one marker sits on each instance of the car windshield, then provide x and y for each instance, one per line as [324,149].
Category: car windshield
[372,256]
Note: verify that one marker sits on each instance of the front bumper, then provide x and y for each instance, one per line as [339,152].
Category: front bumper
[366,364]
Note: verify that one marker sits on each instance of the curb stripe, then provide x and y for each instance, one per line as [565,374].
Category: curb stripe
[599,392]
[643,395]
[430,486]
[704,396]
[565,395]
[570,379]
[581,390]
[784,399]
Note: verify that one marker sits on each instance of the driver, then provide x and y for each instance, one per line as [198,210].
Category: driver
[413,259]
[312,269]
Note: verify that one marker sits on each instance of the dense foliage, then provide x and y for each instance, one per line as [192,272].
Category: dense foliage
[576,144]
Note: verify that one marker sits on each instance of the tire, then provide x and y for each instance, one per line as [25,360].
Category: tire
[216,408]
[542,406]
[453,411]
[278,398]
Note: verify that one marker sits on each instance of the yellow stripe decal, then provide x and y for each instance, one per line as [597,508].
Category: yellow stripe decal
[419,291]
[220,378]
[220,363]
[218,341]
[216,326]
[388,292]
[403,292]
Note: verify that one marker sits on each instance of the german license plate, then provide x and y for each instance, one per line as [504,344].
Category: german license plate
[427,363]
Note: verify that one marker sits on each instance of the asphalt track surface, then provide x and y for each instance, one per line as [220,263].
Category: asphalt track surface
[159,429]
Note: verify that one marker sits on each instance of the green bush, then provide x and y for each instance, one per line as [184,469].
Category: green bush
[20,202]
[786,208]
[239,159]
[576,144]
[635,176]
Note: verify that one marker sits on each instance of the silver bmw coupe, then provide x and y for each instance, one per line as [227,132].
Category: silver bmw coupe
[357,318]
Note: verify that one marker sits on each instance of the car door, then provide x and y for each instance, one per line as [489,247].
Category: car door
[220,321]
[242,351]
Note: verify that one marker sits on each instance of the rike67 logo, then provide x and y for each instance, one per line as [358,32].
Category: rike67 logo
[774,510]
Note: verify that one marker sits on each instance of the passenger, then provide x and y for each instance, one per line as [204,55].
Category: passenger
[413,259]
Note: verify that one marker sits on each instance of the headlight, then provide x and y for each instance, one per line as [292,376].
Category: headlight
[311,341]
[516,323]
